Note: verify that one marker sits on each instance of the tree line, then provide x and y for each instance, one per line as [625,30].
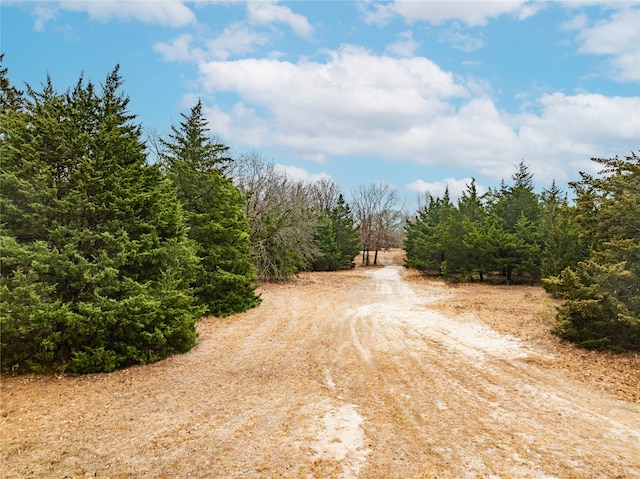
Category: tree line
[586,251]
[108,259]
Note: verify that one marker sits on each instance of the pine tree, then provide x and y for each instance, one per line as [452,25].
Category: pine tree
[215,216]
[519,208]
[475,245]
[602,307]
[518,200]
[10,97]
[345,233]
[424,246]
[95,261]
[337,238]
[562,244]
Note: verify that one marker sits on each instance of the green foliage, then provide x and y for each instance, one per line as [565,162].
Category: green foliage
[500,232]
[562,243]
[424,241]
[506,231]
[96,265]
[10,97]
[518,200]
[602,307]
[214,211]
[337,239]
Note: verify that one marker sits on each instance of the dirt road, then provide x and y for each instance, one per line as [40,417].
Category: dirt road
[351,374]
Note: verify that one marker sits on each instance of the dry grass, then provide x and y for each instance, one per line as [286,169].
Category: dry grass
[528,313]
[374,372]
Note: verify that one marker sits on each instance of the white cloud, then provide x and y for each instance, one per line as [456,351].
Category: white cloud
[617,37]
[300,174]
[576,23]
[408,109]
[267,12]
[461,41]
[592,117]
[179,50]
[470,12]
[530,8]
[236,39]
[354,84]
[374,13]
[572,129]
[43,14]
[406,46]
[437,188]
[170,13]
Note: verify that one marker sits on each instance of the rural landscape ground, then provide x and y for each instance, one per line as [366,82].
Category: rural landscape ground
[370,373]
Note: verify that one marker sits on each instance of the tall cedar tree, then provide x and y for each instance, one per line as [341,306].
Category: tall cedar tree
[518,246]
[337,238]
[602,307]
[214,210]
[563,246]
[95,261]
[423,242]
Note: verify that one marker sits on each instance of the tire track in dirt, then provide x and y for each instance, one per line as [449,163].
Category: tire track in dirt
[501,416]
[349,374]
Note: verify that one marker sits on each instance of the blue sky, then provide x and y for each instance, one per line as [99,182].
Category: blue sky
[416,94]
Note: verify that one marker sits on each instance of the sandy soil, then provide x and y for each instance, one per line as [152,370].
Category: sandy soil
[368,373]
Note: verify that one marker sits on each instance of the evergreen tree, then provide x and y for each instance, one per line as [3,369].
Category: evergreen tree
[215,216]
[518,200]
[10,97]
[480,235]
[563,246]
[95,261]
[337,239]
[424,245]
[519,209]
[475,244]
[329,257]
[345,233]
[602,307]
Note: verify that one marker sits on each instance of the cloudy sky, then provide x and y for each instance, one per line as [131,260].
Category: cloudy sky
[416,94]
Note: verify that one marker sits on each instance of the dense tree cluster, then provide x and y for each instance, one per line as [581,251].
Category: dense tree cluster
[96,263]
[506,231]
[587,253]
[602,293]
[108,259]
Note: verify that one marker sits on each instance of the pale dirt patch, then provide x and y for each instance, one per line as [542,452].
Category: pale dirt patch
[369,373]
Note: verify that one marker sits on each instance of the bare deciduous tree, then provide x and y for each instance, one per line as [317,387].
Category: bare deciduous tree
[325,194]
[282,217]
[378,218]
